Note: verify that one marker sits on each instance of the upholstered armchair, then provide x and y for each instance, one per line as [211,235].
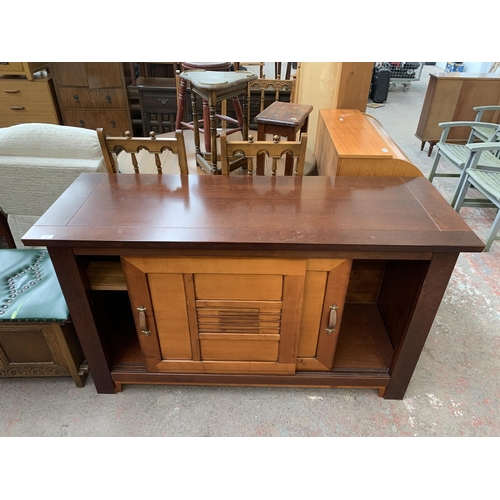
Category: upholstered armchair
[38,161]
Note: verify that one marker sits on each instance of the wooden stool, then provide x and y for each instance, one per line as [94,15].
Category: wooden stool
[284,119]
[201,66]
[37,338]
[214,87]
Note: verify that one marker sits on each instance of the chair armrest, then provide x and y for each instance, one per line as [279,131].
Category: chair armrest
[448,125]
[484,146]
[481,109]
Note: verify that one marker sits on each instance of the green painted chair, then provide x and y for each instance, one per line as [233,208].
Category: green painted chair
[458,154]
[480,131]
[486,179]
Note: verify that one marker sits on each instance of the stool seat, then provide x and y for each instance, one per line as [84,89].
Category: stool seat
[285,114]
[29,288]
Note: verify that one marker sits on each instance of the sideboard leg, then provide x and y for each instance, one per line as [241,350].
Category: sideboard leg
[76,290]
[406,356]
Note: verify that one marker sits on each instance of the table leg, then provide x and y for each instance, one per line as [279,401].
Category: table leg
[292,135]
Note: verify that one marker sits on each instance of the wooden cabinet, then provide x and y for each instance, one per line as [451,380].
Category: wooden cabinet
[284,281]
[452,97]
[158,103]
[351,143]
[27,101]
[93,95]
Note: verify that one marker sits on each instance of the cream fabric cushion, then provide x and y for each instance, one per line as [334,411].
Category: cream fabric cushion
[38,161]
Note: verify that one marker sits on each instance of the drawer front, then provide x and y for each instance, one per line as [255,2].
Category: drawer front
[114,123]
[160,102]
[8,68]
[20,106]
[9,120]
[13,89]
[77,97]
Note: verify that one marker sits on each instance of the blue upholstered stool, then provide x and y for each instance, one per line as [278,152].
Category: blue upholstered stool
[37,337]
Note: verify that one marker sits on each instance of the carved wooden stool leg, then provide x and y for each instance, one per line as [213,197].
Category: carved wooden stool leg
[180,104]
[206,126]
[213,131]
[196,127]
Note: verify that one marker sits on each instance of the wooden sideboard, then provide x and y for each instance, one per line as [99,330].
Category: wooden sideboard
[284,281]
[452,97]
[352,143]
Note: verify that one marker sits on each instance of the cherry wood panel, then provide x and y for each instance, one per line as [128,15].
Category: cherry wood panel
[350,214]
[352,143]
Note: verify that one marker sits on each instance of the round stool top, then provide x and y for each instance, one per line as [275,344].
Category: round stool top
[211,66]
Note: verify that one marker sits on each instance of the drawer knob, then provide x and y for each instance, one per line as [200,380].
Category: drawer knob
[333,319]
[82,123]
[75,97]
[108,98]
[17,108]
[113,123]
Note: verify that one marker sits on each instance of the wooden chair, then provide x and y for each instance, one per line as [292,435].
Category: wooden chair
[112,146]
[235,154]
[486,179]
[458,154]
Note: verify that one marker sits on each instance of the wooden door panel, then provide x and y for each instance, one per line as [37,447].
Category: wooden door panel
[238,287]
[322,289]
[171,316]
[239,350]
[218,315]
[103,74]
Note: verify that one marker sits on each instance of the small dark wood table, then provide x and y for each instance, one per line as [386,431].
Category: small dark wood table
[265,281]
[284,119]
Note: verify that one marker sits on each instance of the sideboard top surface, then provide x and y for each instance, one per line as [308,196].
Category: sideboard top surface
[253,213]
[456,75]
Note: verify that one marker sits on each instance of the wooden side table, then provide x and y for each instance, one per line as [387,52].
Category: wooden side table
[284,119]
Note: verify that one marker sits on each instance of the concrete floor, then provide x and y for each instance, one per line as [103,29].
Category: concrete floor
[454,391]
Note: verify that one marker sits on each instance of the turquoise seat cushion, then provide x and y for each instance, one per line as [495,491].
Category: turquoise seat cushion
[29,288]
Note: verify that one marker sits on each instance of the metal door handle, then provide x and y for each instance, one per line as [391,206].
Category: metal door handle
[142,321]
[332,323]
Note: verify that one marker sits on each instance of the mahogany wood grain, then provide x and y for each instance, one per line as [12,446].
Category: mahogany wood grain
[341,214]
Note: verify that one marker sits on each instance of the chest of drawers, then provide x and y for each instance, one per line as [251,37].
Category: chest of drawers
[93,95]
[26,101]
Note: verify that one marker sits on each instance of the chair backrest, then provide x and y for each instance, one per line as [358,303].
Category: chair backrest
[277,70]
[235,151]
[112,146]
[269,86]
[38,162]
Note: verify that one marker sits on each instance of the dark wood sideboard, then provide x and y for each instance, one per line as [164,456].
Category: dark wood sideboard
[213,280]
